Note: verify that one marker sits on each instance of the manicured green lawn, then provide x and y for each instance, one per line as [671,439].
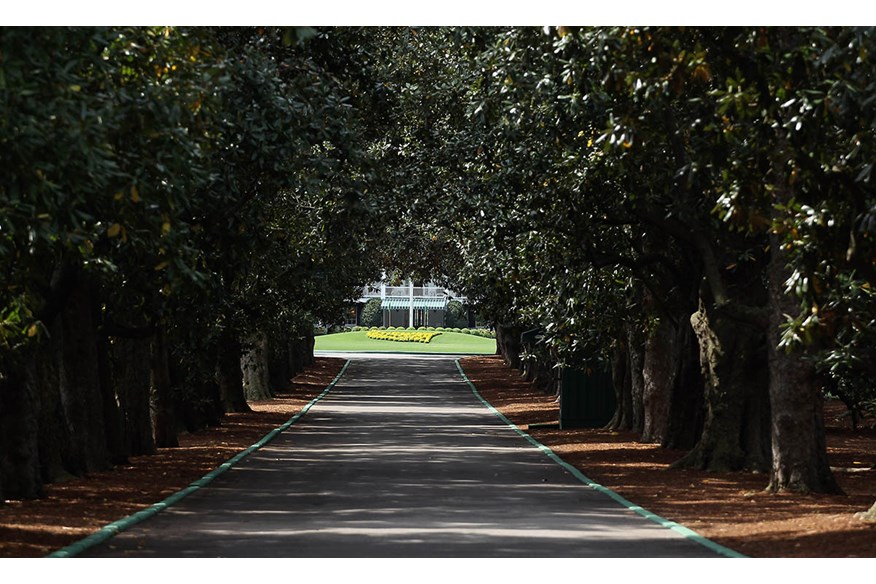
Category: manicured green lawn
[443,343]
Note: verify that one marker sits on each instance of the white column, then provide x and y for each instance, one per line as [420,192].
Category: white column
[383,311]
[411,296]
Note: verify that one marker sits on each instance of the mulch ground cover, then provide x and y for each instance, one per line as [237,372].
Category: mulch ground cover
[729,508]
[732,509]
[72,510]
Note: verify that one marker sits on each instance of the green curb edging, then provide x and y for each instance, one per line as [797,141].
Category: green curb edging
[108,531]
[676,527]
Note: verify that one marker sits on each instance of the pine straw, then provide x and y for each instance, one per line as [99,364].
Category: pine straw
[730,508]
[74,509]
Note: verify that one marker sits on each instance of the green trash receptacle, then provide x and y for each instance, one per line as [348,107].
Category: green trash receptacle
[587,398]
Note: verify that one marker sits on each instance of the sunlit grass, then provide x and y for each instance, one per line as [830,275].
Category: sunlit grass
[446,342]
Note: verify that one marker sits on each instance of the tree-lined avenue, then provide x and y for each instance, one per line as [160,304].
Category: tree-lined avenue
[400,459]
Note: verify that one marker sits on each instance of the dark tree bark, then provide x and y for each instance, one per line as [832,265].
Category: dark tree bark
[658,371]
[538,367]
[81,395]
[117,445]
[165,420]
[508,344]
[229,375]
[132,372]
[279,361]
[544,375]
[295,356]
[636,349]
[687,413]
[799,450]
[255,368]
[20,476]
[196,375]
[300,353]
[309,342]
[622,378]
[733,361]
[196,395]
[43,376]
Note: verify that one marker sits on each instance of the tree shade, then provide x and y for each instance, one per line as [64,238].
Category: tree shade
[691,209]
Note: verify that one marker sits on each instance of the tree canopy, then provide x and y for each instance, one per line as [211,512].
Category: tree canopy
[691,208]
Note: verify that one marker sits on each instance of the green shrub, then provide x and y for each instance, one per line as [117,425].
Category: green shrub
[466,331]
[456,315]
[456,329]
[371,313]
[440,329]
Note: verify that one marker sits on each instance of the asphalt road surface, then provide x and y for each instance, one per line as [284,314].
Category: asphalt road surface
[400,459]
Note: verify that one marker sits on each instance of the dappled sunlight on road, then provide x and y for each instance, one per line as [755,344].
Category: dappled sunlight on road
[401,459]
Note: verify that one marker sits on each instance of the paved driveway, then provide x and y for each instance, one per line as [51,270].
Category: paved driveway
[400,459]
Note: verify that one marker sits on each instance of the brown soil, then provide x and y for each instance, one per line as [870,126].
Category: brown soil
[729,508]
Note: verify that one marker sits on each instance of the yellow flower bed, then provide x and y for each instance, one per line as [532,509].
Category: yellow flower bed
[402,336]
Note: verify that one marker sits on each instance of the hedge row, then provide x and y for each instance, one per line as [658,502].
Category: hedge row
[403,337]
[476,332]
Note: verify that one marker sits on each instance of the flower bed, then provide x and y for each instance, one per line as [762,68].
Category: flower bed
[403,336]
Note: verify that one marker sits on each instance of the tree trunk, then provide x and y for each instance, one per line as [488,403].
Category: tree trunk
[20,476]
[508,343]
[81,395]
[797,421]
[657,371]
[300,353]
[622,378]
[687,413]
[229,375]
[165,419]
[44,378]
[196,393]
[117,446]
[309,345]
[636,349]
[733,361]
[296,360]
[527,362]
[255,369]
[544,374]
[279,370]
[132,372]
[538,367]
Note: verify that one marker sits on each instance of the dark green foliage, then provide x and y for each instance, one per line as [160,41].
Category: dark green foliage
[455,316]
[601,185]
[206,182]
[372,315]
[605,184]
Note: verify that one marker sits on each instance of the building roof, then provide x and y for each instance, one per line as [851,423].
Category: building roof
[404,303]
